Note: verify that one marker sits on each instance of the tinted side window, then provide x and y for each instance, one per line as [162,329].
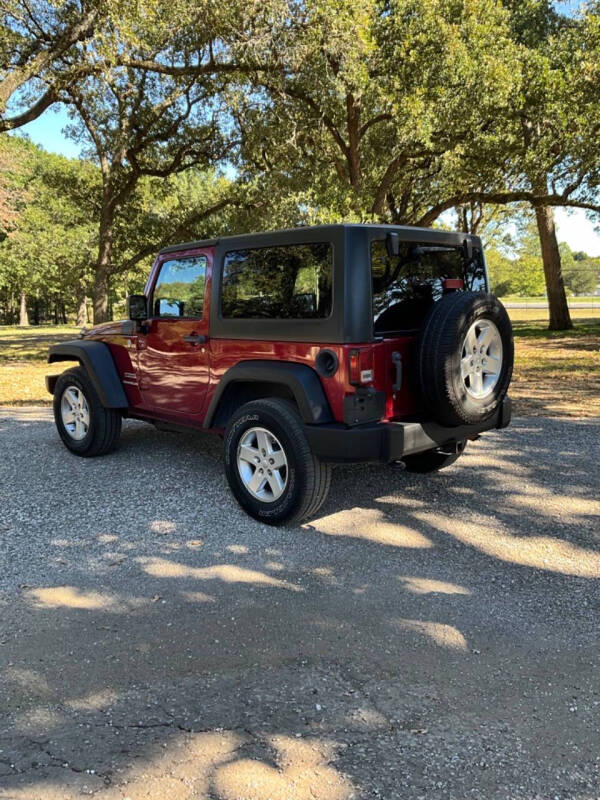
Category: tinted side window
[283,282]
[179,290]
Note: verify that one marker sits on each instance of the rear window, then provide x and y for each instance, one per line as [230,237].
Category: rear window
[406,286]
[283,282]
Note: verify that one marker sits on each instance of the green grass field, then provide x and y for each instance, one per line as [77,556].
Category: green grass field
[555,372]
[541,314]
[23,363]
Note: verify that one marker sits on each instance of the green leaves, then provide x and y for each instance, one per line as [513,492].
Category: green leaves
[320,110]
[381,104]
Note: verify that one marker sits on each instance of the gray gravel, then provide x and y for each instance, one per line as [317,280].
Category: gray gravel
[423,637]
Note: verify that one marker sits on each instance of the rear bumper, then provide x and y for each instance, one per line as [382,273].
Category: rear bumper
[390,441]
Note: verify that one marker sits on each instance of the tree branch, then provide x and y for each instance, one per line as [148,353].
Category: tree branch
[192,219]
[386,184]
[503,198]
[43,59]
[49,97]
[296,94]
[211,67]
[371,122]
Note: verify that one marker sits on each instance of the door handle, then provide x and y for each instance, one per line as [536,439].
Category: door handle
[195,338]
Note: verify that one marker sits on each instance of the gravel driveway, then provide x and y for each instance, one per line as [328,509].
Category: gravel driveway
[424,637]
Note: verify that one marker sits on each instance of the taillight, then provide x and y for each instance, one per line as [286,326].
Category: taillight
[360,366]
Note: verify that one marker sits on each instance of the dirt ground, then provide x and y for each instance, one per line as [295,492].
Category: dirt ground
[423,637]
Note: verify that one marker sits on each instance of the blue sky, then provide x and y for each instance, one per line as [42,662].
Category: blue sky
[47,132]
[573,226]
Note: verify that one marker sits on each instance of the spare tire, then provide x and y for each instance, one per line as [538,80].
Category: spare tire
[465,358]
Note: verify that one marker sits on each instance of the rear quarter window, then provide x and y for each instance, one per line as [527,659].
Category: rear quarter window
[279,282]
[406,286]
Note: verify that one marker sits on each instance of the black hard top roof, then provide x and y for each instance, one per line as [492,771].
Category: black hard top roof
[247,239]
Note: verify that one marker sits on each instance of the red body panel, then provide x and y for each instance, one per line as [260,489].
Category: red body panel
[167,378]
[403,402]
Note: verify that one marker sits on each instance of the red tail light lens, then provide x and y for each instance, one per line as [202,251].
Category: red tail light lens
[360,366]
[354,366]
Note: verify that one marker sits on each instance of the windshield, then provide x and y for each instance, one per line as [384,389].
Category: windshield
[406,286]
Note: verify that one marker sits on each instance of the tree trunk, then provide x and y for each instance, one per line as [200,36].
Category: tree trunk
[23,316]
[82,312]
[102,271]
[353,151]
[81,309]
[560,319]
[100,295]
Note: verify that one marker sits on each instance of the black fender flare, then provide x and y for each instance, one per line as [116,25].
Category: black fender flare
[100,366]
[300,379]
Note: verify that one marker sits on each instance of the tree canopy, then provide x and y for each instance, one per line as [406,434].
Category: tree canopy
[204,116]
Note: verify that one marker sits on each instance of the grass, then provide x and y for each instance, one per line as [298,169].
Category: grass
[556,373]
[23,366]
[541,314]
[515,298]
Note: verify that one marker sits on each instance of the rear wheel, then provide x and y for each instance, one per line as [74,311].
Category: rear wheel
[432,460]
[269,465]
[85,426]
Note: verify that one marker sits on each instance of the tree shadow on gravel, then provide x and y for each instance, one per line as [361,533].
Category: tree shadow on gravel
[423,636]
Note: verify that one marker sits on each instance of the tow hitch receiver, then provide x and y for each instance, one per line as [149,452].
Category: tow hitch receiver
[453,447]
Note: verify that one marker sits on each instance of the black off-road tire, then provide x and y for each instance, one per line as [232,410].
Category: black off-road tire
[104,423]
[308,478]
[431,460]
[440,353]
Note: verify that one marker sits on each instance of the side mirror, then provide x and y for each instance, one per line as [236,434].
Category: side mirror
[137,307]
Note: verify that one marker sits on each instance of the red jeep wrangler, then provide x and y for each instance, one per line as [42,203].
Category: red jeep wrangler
[303,347]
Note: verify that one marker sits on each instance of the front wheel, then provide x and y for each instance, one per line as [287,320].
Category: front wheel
[270,468]
[85,426]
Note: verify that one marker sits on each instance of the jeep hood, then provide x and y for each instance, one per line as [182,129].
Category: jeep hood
[105,329]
